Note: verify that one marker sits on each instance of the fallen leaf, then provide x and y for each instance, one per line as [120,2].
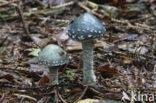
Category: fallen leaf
[35,52]
[107,71]
[44,80]
[75,90]
[120,3]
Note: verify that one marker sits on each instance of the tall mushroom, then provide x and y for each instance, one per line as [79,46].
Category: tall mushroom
[53,56]
[85,29]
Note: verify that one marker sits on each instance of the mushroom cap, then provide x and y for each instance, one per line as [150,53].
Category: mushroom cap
[86,27]
[52,55]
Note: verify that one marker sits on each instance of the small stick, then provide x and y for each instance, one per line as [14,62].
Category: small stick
[2,98]
[18,68]
[22,18]
[61,98]
[3,41]
[83,93]
[25,25]
[63,5]
[89,10]
[40,3]
[95,92]
[56,95]
[136,27]
[9,2]
[25,96]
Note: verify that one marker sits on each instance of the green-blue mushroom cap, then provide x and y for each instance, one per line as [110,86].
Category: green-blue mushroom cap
[86,27]
[52,55]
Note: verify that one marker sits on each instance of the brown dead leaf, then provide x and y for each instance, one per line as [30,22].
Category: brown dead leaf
[41,42]
[120,3]
[74,90]
[107,71]
[44,80]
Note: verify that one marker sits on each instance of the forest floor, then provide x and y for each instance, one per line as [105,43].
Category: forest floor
[124,60]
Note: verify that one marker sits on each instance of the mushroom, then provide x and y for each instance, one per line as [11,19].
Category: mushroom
[85,29]
[53,56]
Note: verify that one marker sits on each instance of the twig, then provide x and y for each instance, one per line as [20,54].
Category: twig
[95,92]
[56,95]
[25,25]
[22,18]
[18,68]
[3,41]
[9,2]
[40,3]
[25,96]
[61,98]
[89,10]
[63,5]
[134,54]
[137,27]
[83,93]
[140,19]
[2,98]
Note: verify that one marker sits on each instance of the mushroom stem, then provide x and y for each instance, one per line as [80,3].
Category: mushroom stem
[53,72]
[88,73]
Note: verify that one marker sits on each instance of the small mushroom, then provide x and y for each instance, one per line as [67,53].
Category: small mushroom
[85,29]
[53,56]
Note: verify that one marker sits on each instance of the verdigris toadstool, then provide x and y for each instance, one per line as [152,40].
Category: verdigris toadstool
[85,29]
[53,56]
